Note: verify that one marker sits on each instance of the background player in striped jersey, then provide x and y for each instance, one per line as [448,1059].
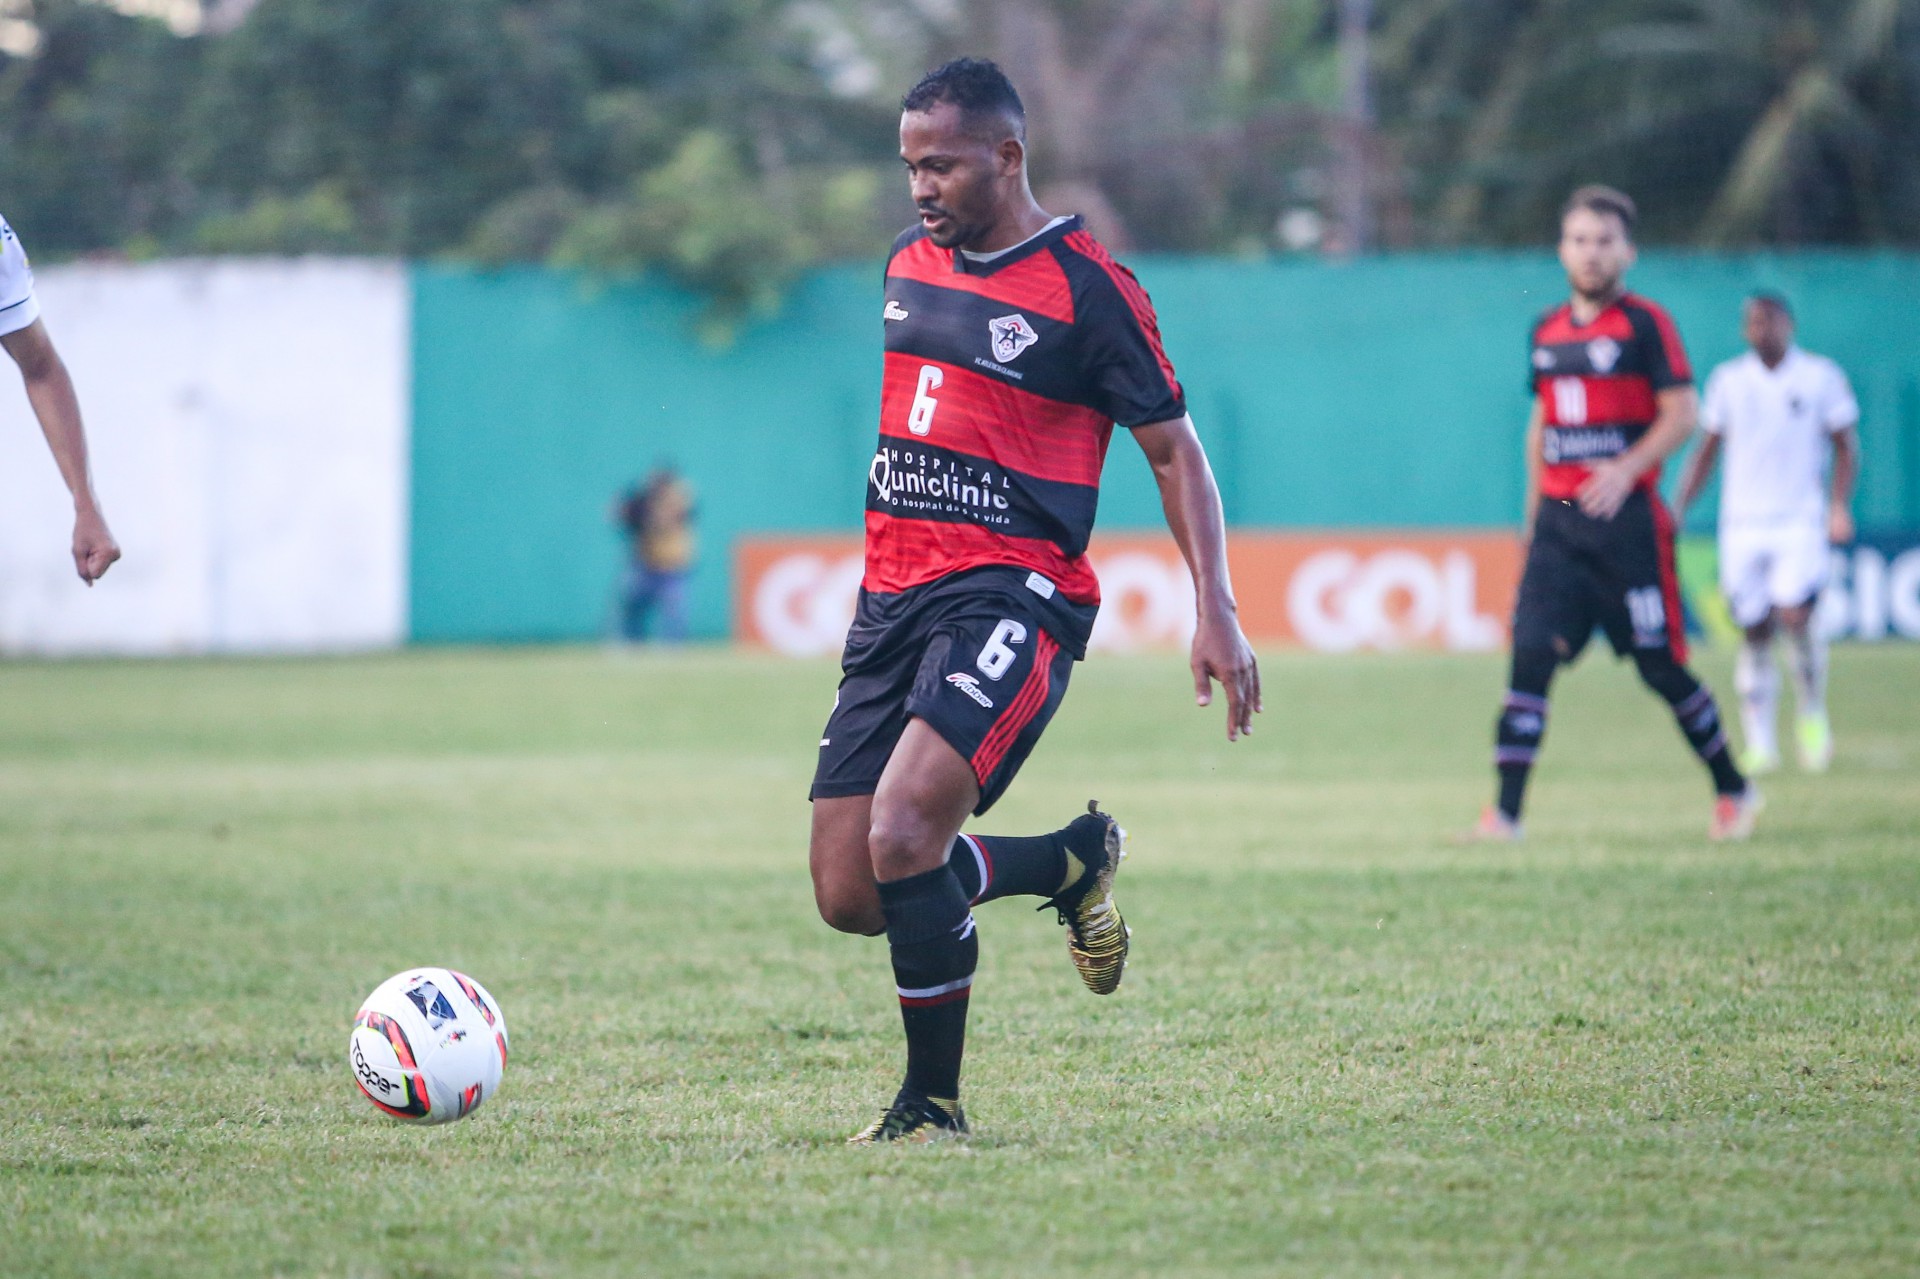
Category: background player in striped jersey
[1613,397]
[1014,343]
[50,391]
[1774,411]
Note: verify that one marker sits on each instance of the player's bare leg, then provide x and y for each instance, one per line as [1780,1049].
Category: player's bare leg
[843,886]
[1757,681]
[1808,662]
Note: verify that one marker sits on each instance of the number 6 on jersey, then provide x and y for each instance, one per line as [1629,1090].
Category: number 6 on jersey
[920,417]
[997,655]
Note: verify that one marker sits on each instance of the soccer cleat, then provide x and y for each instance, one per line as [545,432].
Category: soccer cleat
[1494,827]
[1734,815]
[1816,742]
[1758,761]
[1097,937]
[915,1119]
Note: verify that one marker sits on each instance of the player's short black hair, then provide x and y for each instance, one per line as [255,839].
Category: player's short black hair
[1773,300]
[975,85]
[1604,199]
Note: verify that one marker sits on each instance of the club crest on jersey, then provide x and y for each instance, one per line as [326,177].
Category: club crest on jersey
[1011,335]
[1603,354]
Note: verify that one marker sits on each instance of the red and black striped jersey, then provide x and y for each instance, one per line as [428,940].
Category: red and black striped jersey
[1003,382]
[1597,383]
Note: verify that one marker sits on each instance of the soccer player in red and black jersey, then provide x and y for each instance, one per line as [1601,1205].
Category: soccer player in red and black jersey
[1014,343]
[1613,398]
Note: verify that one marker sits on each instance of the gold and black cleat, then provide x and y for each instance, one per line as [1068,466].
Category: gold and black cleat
[1097,937]
[914,1119]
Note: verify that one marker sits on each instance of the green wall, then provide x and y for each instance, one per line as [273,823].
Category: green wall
[1386,392]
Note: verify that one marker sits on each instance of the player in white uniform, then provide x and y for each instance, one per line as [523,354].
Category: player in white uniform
[1773,412]
[50,391]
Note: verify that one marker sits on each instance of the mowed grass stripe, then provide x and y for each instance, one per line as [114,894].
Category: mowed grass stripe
[1346,1045]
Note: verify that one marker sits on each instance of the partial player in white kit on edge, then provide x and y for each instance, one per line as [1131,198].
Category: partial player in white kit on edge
[1773,411]
[50,391]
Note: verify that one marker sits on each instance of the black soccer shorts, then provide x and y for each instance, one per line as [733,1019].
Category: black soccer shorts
[967,655]
[1617,575]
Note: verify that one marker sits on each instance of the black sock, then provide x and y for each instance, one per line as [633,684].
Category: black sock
[1516,743]
[1522,723]
[996,866]
[1699,718]
[930,932]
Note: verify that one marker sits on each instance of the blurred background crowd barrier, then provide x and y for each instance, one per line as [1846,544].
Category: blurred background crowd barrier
[333,453]
[375,305]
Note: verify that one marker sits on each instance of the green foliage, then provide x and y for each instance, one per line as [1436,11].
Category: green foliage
[695,138]
[730,144]
[321,221]
[715,226]
[1344,1047]
[1735,122]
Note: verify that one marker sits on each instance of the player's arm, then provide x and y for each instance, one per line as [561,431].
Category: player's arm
[1696,473]
[50,391]
[1846,470]
[1606,489]
[1714,417]
[1536,462]
[1191,501]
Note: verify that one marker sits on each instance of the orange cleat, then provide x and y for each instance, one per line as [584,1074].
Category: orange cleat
[1494,827]
[1734,815]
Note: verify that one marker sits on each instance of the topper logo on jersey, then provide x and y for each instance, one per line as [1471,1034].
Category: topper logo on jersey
[1011,335]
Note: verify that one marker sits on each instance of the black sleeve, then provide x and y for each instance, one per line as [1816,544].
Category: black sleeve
[1533,344]
[1129,376]
[1665,358]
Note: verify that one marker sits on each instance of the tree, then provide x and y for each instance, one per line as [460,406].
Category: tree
[1738,121]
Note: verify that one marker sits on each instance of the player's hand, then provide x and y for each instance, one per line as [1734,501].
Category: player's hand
[1221,653]
[1606,489]
[1839,525]
[94,549]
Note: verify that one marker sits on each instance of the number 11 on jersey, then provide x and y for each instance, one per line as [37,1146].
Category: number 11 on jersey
[920,417]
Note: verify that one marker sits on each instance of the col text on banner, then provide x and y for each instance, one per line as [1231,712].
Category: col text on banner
[1336,592]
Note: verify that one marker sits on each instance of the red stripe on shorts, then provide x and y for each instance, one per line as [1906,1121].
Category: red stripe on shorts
[1020,712]
[1663,529]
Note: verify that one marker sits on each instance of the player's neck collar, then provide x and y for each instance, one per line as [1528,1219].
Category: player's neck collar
[964,265]
[1614,299]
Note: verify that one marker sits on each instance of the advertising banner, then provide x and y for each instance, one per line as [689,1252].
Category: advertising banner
[1872,591]
[1335,592]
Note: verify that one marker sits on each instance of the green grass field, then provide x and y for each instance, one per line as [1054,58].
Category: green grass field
[1345,1046]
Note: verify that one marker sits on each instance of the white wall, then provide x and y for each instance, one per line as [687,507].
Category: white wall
[249,426]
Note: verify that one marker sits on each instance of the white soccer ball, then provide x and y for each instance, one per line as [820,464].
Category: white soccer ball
[428,1046]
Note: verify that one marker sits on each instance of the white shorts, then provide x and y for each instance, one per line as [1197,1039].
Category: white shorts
[1769,566]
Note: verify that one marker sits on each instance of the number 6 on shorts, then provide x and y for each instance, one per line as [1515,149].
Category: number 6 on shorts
[997,655]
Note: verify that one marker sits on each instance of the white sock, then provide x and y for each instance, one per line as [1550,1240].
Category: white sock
[1758,684]
[1809,665]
